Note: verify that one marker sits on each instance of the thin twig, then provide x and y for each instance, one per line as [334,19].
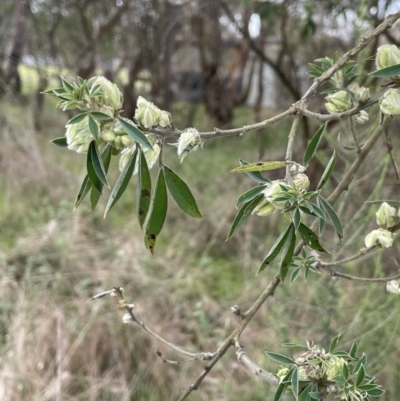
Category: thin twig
[171,362]
[353,134]
[335,273]
[244,359]
[289,148]
[389,146]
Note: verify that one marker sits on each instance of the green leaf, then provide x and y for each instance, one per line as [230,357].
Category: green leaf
[287,251]
[256,175]
[390,202]
[305,394]
[316,210]
[135,133]
[157,213]
[316,395]
[181,193]
[95,167]
[296,346]
[83,191]
[295,382]
[341,354]
[313,145]
[361,362]
[377,392]
[243,213]
[61,142]
[334,343]
[122,183]
[387,72]
[328,171]
[294,275]
[360,376]
[143,189]
[93,127]
[260,166]
[100,116]
[276,248]
[332,216]
[78,118]
[279,391]
[310,238]
[66,85]
[367,387]
[94,193]
[296,219]
[353,349]
[250,194]
[284,360]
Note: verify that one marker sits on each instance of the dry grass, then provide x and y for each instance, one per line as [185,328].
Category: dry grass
[56,345]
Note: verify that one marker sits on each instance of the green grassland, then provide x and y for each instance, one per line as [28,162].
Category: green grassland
[56,345]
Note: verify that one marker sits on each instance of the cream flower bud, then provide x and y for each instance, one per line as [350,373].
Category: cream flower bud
[393,286]
[361,117]
[127,141]
[338,102]
[189,141]
[264,210]
[112,96]
[386,56]
[390,102]
[301,182]
[381,238]
[165,119]
[108,135]
[147,114]
[334,367]
[386,216]
[151,156]
[362,94]
[273,192]
[79,136]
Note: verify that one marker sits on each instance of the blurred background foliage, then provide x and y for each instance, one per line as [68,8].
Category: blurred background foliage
[211,63]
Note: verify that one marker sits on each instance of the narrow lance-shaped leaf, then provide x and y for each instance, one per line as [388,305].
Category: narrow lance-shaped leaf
[387,72]
[78,118]
[360,376]
[327,172]
[295,382]
[98,115]
[310,238]
[250,194]
[260,166]
[95,167]
[135,133]
[304,396]
[296,219]
[257,176]
[243,213]
[287,251]
[276,248]
[284,360]
[61,142]
[93,127]
[86,184]
[334,343]
[122,183]
[94,193]
[143,189]
[313,145]
[157,213]
[181,193]
[279,391]
[332,216]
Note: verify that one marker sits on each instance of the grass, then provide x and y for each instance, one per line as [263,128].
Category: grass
[55,345]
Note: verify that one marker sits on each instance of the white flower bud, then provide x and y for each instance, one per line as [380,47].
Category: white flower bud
[361,117]
[165,119]
[301,182]
[334,367]
[79,136]
[362,94]
[127,141]
[151,156]
[390,102]
[393,286]
[147,114]
[386,216]
[112,96]
[338,102]
[264,210]
[386,56]
[381,238]
[189,141]
[108,135]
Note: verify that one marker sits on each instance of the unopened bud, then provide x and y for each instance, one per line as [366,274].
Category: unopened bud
[381,238]
[386,216]
[165,119]
[108,135]
[390,102]
[361,117]
[127,140]
[189,141]
[338,102]
[112,96]
[393,286]
[301,182]
[386,56]
[147,114]
[362,94]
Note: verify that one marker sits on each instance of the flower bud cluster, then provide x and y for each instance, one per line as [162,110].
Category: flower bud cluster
[114,134]
[386,217]
[149,115]
[274,191]
[151,155]
[361,117]
[386,56]
[338,102]
[390,102]
[189,141]
[110,99]
[78,136]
